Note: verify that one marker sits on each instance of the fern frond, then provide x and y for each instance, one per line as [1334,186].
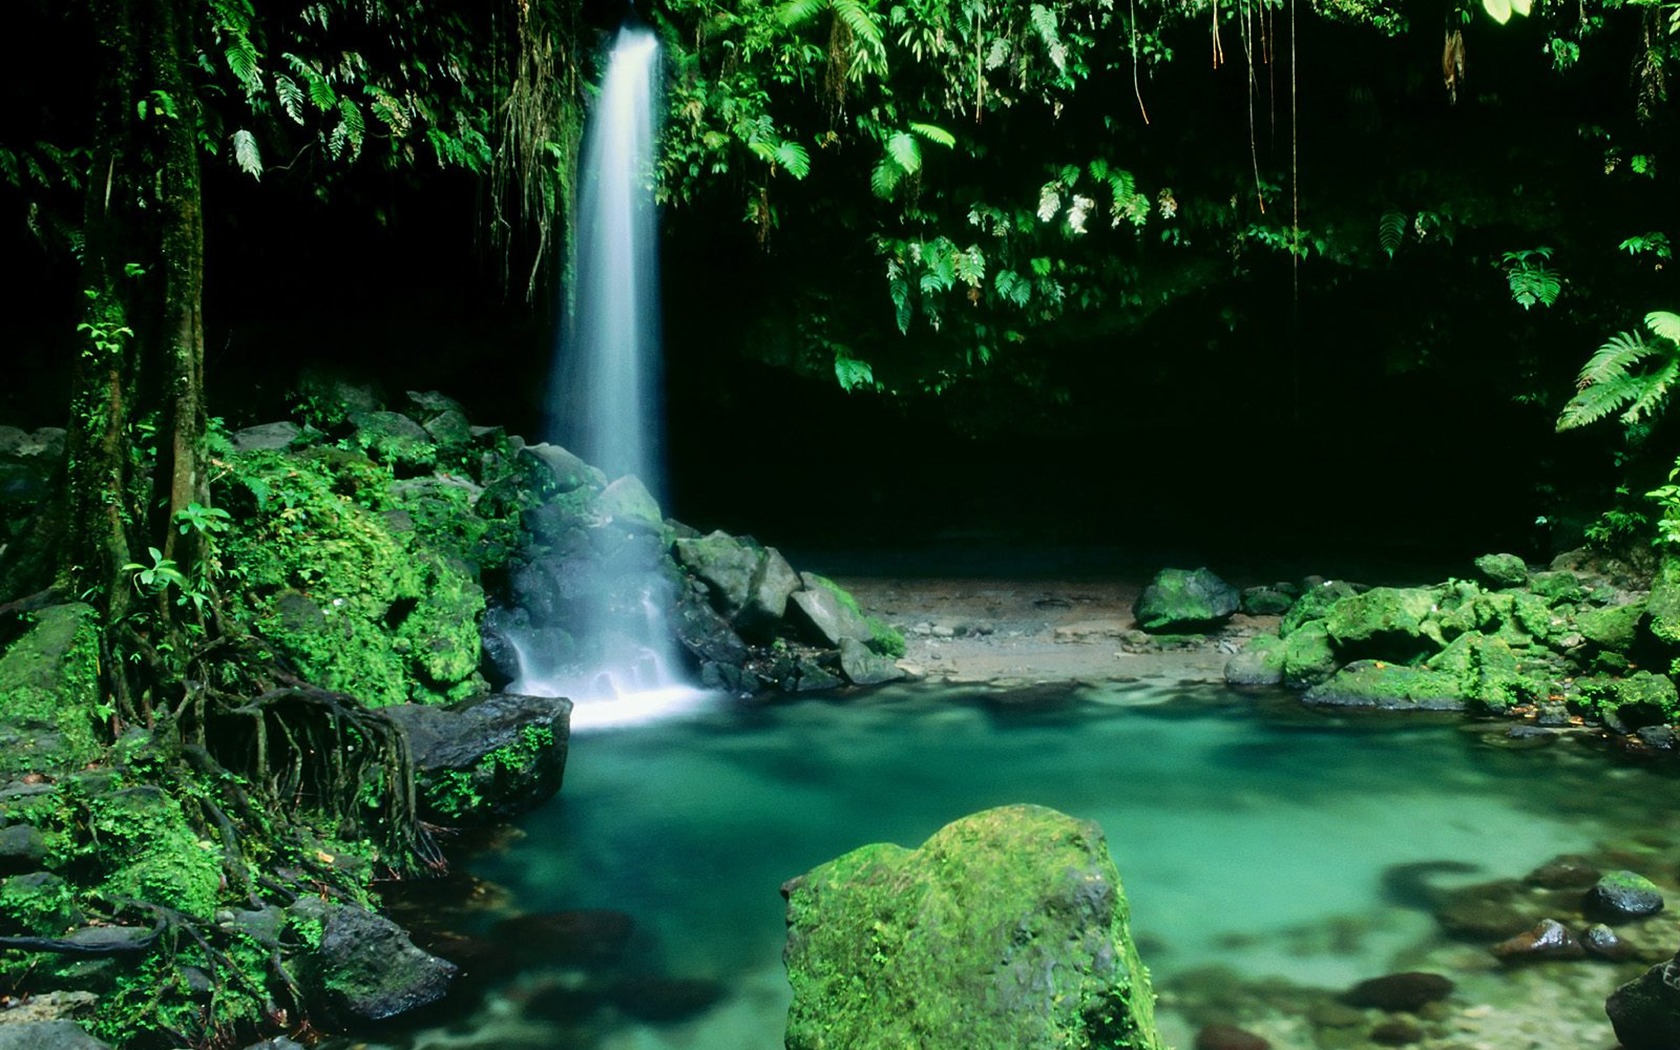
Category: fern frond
[852,373]
[884,180]
[290,97]
[862,24]
[935,134]
[1664,324]
[242,63]
[1391,231]
[794,12]
[794,159]
[1652,392]
[904,151]
[1614,360]
[246,154]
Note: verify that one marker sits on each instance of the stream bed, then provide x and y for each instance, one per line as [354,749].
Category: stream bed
[1272,856]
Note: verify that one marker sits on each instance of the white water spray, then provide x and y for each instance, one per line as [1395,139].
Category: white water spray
[607,401]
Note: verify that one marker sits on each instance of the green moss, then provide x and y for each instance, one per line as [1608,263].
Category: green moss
[151,852]
[1654,693]
[49,694]
[884,638]
[1314,604]
[1307,656]
[458,793]
[1008,928]
[39,904]
[358,600]
[1613,627]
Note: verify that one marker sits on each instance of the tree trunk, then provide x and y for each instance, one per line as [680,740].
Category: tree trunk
[136,442]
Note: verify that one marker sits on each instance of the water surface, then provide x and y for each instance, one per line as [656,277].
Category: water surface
[1259,842]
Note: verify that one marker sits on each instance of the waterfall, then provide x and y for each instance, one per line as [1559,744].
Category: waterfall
[617,657]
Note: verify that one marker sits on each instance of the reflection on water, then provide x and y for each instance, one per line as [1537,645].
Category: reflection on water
[1256,843]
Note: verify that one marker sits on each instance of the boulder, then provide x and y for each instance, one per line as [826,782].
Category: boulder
[1600,940]
[628,504]
[489,759]
[1315,603]
[395,440]
[1384,623]
[559,468]
[266,437]
[1307,656]
[441,417]
[1007,928]
[726,566]
[1259,663]
[1388,687]
[49,687]
[1502,570]
[1645,1012]
[1180,600]
[1622,895]
[363,967]
[48,1035]
[1272,599]
[1662,609]
[773,583]
[827,615]
[862,666]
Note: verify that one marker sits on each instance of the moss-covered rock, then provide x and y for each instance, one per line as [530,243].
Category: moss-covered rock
[1663,608]
[152,852]
[1374,683]
[487,760]
[49,691]
[1307,656]
[1008,928]
[1259,663]
[1315,604]
[1558,586]
[1388,623]
[1639,699]
[829,614]
[1502,570]
[395,440]
[1487,671]
[1179,600]
[361,966]
[1612,627]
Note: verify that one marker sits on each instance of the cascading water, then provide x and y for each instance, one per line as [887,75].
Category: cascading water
[616,656]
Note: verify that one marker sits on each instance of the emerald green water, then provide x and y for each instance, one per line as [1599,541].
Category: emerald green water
[1257,840]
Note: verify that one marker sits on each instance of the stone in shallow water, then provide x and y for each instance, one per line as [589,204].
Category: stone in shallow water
[1621,895]
[1396,1032]
[1228,1037]
[1399,991]
[1600,940]
[1549,939]
[1645,1012]
[1185,600]
[1570,871]
[1008,928]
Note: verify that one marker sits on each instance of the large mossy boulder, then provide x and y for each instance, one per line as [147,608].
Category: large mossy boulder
[1180,600]
[1315,603]
[1008,928]
[1384,623]
[361,966]
[1307,656]
[1663,608]
[1502,570]
[1386,686]
[1259,663]
[49,687]
[486,760]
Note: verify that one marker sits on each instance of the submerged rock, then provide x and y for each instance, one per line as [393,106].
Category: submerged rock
[1645,1012]
[364,967]
[1179,600]
[1007,928]
[1228,1037]
[1549,939]
[1623,895]
[1399,991]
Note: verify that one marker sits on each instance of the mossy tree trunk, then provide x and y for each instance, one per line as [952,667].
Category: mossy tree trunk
[137,432]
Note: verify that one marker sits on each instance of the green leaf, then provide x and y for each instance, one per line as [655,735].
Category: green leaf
[246,154]
[884,180]
[290,97]
[904,151]
[1664,324]
[794,12]
[1499,10]
[934,133]
[852,373]
[1521,7]
[1391,231]
[793,159]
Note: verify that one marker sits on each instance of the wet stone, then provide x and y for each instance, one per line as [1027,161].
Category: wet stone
[1399,991]
[1548,939]
[1396,1032]
[1622,895]
[1228,1037]
[653,998]
[1600,940]
[1570,871]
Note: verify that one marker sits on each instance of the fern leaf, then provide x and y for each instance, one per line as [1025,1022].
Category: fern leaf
[899,289]
[861,22]
[290,97]
[1391,231]
[793,159]
[763,150]
[795,12]
[242,63]
[1664,324]
[1049,201]
[1499,10]
[904,151]
[246,154]
[1099,169]
[1652,391]
[852,373]
[884,180]
[1614,361]
[935,134]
